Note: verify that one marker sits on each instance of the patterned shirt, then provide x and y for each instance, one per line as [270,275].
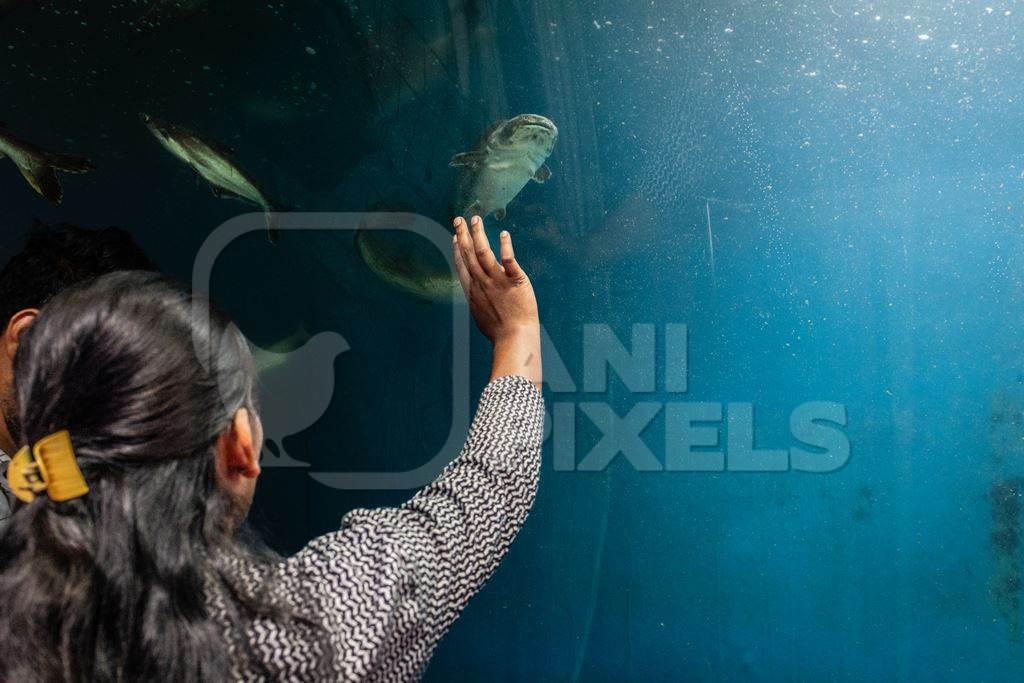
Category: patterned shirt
[387,586]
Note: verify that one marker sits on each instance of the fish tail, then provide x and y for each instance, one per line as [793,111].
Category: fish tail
[273,225]
[41,173]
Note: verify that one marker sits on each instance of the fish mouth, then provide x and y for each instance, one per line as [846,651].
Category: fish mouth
[536,121]
[531,130]
[155,124]
[151,123]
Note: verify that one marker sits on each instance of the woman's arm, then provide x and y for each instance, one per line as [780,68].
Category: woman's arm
[389,584]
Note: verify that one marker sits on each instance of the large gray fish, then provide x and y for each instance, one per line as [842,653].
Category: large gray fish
[213,163]
[39,166]
[511,154]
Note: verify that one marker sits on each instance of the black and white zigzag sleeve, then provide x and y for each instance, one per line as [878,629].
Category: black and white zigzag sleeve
[390,582]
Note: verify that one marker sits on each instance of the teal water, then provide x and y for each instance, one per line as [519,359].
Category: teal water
[859,169]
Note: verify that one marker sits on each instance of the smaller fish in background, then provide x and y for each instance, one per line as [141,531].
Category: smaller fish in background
[511,154]
[402,259]
[39,166]
[213,163]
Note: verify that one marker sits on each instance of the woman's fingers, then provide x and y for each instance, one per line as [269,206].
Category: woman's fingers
[468,251]
[508,259]
[460,266]
[484,255]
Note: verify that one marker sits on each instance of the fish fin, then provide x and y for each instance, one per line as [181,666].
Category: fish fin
[273,212]
[543,173]
[221,193]
[471,159]
[474,209]
[273,221]
[499,214]
[43,180]
[69,163]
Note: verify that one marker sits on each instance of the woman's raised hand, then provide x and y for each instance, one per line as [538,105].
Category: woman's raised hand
[501,299]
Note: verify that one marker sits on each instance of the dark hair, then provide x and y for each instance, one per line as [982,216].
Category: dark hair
[62,255]
[114,585]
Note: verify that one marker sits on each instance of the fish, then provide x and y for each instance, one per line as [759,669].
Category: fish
[213,162]
[403,260]
[512,153]
[39,166]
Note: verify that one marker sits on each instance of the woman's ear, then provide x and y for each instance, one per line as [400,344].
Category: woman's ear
[238,456]
[18,323]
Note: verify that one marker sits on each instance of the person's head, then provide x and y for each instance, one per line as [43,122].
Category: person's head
[53,259]
[159,405]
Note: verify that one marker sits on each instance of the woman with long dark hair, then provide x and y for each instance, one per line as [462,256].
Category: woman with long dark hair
[141,453]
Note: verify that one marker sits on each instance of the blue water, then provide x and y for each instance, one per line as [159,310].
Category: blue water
[860,165]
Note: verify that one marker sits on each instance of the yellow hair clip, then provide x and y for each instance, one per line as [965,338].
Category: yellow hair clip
[49,466]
